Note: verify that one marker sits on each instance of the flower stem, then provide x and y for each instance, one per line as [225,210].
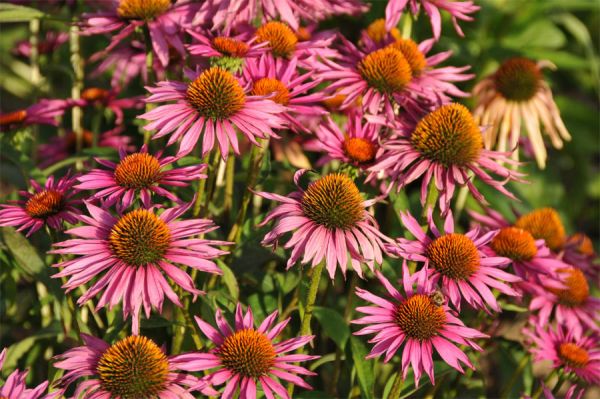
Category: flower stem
[540,389]
[149,74]
[34,64]
[201,189]
[229,180]
[432,197]
[77,114]
[397,386]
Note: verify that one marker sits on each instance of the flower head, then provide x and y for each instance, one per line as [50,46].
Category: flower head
[214,103]
[44,112]
[14,387]
[579,250]
[128,257]
[460,261]
[415,323]
[329,220]
[51,204]
[138,173]
[133,367]
[516,94]
[246,356]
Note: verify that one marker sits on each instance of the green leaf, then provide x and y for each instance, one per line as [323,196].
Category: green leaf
[364,368]
[333,324]
[15,13]
[24,253]
[229,280]
[541,34]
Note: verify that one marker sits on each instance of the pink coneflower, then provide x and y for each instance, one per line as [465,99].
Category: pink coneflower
[14,386]
[445,145]
[134,367]
[51,205]
[460,261]
[62,147]
[44,112]
[515,95]
[48,44]
[421,320]
[571,306]
[329,221]
[579,250]
[357,144]
[213,103]
[95,96]
[458,10]
[164,20]
[281,83]
[246,355]
[138,173]
[127,256]
[568,349]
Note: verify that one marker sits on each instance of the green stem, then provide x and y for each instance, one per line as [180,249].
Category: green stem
[212,178]
[397,386]
[461,200]
[432,197]
[515,376]
[34,64]
[229,180]
[201,189]
[149,75]
[540,389]
[77,113]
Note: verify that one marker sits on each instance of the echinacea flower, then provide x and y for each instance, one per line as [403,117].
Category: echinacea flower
[282,84]
[14,387]
[568,349]
[44,112]
[415,324]
[458,10]
[458,261]
[96,96]
[377,34]
[571,306]
[49,43]
[51,204]
[247,356]
[133,367]
[213,103]
[579,250]
[62,147]
[129,256]
[516,94]
[138,173]
[328,221]
[446,145]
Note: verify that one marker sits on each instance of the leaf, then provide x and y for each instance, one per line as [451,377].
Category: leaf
[364,368]
[229,280]
[24,253]
[333,324]
[540,34]
[15,13]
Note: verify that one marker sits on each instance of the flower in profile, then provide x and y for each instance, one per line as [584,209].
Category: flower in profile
[214,103]
[516,94]
[567,349]
[62,147]
[282,84]
[14,387]
[96,96]
[246,356]
[446,145]
[572,305]
[48,44]
[44,112]
[51,204]
[138,173]
[329,221]
[458,10]
[418,322]
[579,250]
[133,367]
[460,261]
[163,19]
[129,256]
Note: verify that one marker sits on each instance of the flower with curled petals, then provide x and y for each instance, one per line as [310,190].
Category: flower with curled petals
[133,367]
[248,357]
[329,221]
[138,173]
[415,323]
[459,262]
[15,388]
[128,257]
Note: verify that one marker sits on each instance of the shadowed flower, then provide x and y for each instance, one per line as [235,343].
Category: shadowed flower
[14,386]
[134,367]
[138,173]
[446,145]
[329,220]
[568,349]
[420,320]
[514,95]
[51,205]
[579,250]
[458,10]
[96,96]
[247,356]
[44,112]
[47,45]
[214,103]
[127,256]
[460,261]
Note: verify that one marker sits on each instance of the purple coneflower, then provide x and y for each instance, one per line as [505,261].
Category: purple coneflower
[43,113]
[51,41]
[51,205]
[247,356]
[129,255]
[96,96]
[420,320]
[14,386]
[329,221]
[579,250]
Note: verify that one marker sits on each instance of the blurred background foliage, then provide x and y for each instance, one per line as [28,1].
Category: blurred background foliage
[33,308]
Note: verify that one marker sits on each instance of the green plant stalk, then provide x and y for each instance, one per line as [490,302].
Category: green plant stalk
[76,88]
[397,386]
[540,389]
[211,181]
[229,180]
[149,75]
[200,191]
[34,64]
[461,200]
